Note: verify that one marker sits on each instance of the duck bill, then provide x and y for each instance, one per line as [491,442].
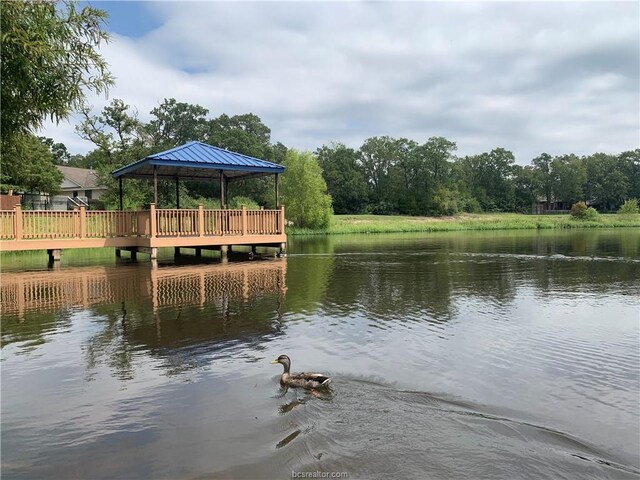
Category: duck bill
[274,361]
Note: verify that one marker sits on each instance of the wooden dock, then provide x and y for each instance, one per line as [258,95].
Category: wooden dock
[141,231]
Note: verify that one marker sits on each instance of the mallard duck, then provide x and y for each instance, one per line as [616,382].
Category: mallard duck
[303,380]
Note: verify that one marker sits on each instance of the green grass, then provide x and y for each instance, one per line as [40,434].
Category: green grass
[344,224]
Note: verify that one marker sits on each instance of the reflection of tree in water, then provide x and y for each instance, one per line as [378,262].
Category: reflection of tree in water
[308,282]
[111,345]
[420,278]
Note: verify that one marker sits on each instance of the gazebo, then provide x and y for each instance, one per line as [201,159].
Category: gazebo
[200,162]
[147,230]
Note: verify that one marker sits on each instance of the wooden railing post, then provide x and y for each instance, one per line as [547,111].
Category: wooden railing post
[282,221]
[17,222]
[200,220]
[153,220]
[76,223]
[83,222]
[244,219]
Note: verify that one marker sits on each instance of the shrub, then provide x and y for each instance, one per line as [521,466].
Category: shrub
[579,210]
[237,202]
[304,191]
[630,207]
[591,214]
[446,202]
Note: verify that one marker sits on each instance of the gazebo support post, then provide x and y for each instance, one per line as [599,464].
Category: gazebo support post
[222,182]
[226,191]
[120,193]
[155,184]
[277,193]
[178,207]
[178,193]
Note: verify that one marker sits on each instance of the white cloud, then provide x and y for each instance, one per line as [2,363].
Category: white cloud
[527,77]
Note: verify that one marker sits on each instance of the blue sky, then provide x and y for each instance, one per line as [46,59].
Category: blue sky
[528,77]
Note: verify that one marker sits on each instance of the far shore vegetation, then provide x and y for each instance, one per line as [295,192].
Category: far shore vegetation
[365,224]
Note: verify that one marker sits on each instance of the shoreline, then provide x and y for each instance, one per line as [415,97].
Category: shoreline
[369,224]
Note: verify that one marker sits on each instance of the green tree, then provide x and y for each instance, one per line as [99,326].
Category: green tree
[630,166]
[377,156]
[50,61]
[489,178]
[525,188]
[606,184]
[120,139]
[344,177]
[569,174]
[244,134]
[59,151]
[176,123]
[544,176]
[304,191]
[38,174]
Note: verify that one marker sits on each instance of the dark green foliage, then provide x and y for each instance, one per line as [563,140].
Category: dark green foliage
[238,202]
[50,60]
[344,177]
[38,174]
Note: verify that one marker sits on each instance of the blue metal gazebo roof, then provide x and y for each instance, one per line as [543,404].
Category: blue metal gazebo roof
[197,161]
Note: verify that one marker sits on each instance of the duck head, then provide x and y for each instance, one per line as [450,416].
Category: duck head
[284,361]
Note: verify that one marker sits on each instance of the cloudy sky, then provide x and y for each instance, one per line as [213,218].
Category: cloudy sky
[529,77]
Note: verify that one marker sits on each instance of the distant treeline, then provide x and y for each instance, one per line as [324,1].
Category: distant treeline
[384,176]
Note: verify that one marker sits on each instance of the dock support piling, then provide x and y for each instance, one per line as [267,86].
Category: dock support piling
[55,255]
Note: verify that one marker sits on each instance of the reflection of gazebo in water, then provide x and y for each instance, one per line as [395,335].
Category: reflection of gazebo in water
[26,293]
[158,310]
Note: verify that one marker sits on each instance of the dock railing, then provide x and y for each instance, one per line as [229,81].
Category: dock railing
[18,224]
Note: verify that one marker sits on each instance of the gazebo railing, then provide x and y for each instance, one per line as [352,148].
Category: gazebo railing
[80,224]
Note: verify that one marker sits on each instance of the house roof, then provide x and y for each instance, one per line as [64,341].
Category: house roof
[198,161]
[84,178]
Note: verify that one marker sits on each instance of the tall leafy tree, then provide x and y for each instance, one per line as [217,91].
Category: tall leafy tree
[344,177]
[569,174]
[377,157]
[629,162]
[606,184]
[240,133]
[489,177]
[525,188]
[304,191]
[50,60]
[175,123]
[38,174]
[544,176]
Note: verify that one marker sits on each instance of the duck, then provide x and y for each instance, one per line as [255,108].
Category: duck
[300,380]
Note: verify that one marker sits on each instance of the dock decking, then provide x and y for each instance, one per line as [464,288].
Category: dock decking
[142,230]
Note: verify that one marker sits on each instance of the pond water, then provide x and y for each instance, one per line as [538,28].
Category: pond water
[462,355]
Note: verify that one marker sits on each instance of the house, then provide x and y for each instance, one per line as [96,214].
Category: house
[79,187]
[80,182]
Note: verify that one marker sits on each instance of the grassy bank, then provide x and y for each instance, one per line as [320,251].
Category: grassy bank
[342,224]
